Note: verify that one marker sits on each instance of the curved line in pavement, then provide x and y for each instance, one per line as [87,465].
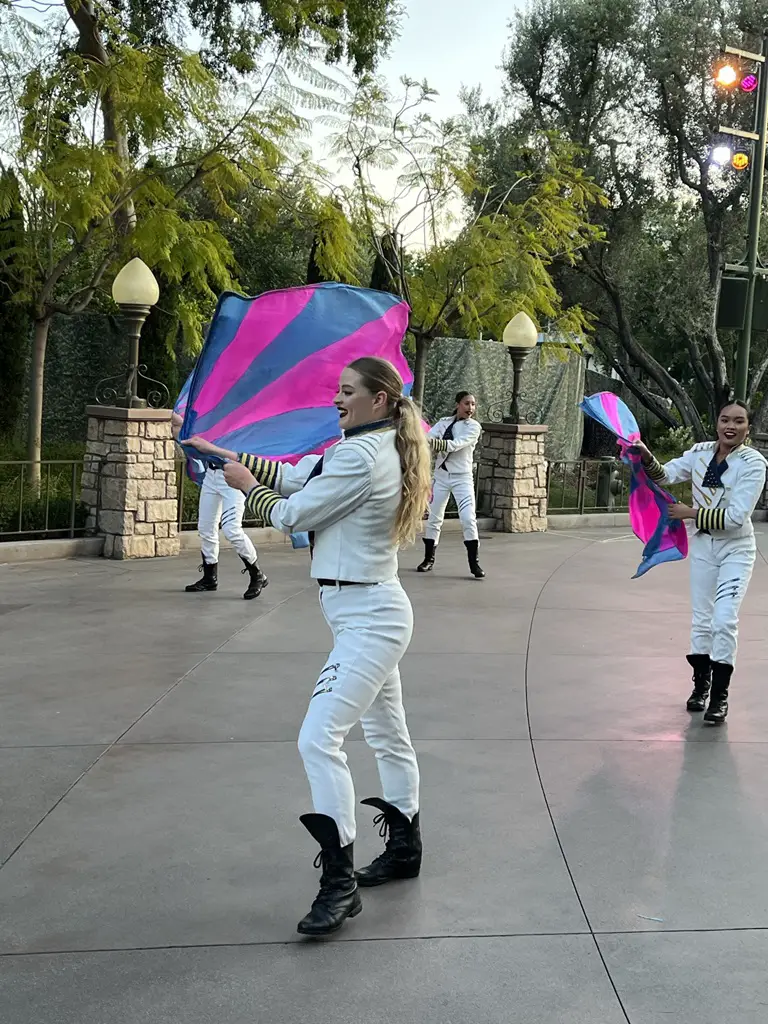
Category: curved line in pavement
[546,583]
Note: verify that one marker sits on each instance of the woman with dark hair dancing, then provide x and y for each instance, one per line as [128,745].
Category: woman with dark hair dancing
[454,439]
[727,479]
[361,501]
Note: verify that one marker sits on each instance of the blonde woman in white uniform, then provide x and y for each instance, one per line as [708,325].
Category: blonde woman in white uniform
[727,479]
[360,501]
[454,439]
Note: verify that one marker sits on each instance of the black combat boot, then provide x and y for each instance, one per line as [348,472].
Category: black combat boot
[257,581]
[702,680]
[209,579]
[338,897]
[402,853]
[474,566]
[429,557]
[717,712]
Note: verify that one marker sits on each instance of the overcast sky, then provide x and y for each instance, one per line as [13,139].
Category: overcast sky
[452,43]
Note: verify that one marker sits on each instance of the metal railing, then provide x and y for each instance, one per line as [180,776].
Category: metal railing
[587,486]
[50,509]
[188,495]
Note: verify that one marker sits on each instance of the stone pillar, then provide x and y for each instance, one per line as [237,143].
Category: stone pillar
[512,482]
[129,481]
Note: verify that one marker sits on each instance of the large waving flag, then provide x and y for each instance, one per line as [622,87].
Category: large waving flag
[665,539]
[269,369]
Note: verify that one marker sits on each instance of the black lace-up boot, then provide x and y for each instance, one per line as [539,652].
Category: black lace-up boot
[338,897]
[472,547]
[209,579]
[717,712]
[702,680]
[257,580]
[429,557]
[402,853]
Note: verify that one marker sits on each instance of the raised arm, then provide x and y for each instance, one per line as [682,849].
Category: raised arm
[280,476]
[344,484]
[439,444]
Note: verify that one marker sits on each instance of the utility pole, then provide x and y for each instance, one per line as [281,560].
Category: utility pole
[759,138]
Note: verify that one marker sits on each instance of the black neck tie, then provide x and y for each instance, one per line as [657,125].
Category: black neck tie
[317,469]
[448,436]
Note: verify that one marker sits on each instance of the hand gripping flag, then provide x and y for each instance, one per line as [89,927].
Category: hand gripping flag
[269,369]
[665,539]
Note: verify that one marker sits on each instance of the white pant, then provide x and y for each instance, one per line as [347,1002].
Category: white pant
[372,627]
[462,486]
[720,573]
[220,503]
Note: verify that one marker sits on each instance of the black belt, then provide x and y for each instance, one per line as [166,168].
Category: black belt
[341,583]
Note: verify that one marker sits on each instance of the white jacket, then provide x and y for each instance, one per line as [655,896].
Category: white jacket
[351,506]
[456,455]
[724,511]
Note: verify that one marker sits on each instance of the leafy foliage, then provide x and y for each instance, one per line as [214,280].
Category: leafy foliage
[475,267]
[632,85]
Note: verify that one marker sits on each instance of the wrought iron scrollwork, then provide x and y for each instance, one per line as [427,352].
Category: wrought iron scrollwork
[499,411]
[117,389]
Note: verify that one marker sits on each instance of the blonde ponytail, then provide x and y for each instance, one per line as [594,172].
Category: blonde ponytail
[416,463]
[411,443]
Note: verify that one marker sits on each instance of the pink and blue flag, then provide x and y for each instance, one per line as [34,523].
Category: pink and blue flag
[665,539]
[269,369]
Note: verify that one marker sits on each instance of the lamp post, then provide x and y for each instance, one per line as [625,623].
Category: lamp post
[730,76]
[520,338]
[135,290]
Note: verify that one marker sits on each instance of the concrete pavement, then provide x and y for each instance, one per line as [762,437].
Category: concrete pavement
[593,855]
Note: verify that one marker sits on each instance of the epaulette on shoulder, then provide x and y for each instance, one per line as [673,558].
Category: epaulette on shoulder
[366,444]
[704,446]
[751,455]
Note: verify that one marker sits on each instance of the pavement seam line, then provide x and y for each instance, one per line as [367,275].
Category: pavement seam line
[144,713]
[259,943]
[558,840]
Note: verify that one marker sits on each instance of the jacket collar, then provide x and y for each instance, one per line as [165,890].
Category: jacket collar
[369,428]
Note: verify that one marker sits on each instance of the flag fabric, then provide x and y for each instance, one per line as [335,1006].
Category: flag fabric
[665,539]
[269,369]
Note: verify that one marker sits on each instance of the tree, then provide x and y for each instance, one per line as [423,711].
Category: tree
[474,268]
[235,33]
[631,84]
[15,320]
[89,203]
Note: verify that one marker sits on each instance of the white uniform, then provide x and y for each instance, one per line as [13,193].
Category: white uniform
[453,475]
[350,507]
[722,548]
[221,505]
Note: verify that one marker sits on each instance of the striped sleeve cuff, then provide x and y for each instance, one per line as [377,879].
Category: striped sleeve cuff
[710,519]
[438,444]
[261,501]
[265,470]
[655,471]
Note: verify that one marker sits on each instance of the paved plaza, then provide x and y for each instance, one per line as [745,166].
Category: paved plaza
[593,855]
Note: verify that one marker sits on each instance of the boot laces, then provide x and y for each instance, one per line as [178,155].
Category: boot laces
[394,839]
[329,890]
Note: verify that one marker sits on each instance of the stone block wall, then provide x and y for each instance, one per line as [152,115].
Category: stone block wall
[512,482]
[129,481]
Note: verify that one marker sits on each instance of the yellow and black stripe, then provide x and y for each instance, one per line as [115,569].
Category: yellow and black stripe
[710,519]
[438,444]
[265,470]
[261,501]
[655,470]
